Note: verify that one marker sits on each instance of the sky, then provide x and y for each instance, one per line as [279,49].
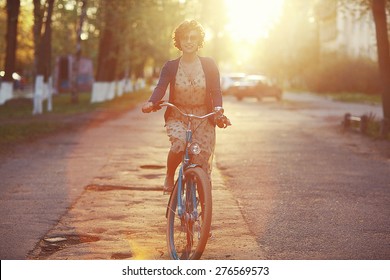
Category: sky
[250,20]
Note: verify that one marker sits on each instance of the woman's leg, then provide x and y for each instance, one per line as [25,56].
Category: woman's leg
[173,161]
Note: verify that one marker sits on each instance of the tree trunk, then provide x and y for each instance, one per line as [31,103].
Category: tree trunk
[44,47]
[379,13]
[47,40]
[42,89]
[107,56]
[104,85]
[6,90]
[37,29]
[13,8]
[76,62]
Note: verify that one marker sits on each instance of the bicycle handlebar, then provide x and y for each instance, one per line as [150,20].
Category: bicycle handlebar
[167,104]
[221,120]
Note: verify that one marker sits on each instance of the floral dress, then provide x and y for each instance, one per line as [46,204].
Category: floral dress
[190,94]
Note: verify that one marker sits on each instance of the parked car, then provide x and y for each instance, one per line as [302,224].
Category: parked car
[257,86]
[228,81]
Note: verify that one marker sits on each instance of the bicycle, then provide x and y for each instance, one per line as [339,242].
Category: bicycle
[189,207]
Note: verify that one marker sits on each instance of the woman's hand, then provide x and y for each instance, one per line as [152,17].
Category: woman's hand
[222,122]
[220,119]
[219,110]
[148,107]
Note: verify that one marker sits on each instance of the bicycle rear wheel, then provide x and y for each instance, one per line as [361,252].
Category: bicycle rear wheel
[187,235]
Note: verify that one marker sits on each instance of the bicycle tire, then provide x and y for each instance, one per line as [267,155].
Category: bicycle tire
[187,239]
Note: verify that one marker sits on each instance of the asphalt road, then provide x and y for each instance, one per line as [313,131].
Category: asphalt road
[96,193]
[307,190]
[288,184]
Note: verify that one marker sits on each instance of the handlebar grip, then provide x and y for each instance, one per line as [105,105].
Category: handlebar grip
[223,122]
[146,110]
[157,106]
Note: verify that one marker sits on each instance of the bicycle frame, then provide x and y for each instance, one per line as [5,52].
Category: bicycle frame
[185,164]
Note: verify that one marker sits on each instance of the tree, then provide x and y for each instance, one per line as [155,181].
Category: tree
[44,44]
[109,49]
[3,25]
[38,13]
[213,16]
[291,50]
[42,53]
[13,8]
[380,10]
[108,45]
[379,13]
[133,34]
[75,97]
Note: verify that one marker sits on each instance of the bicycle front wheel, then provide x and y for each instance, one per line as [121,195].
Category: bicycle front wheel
[187,234]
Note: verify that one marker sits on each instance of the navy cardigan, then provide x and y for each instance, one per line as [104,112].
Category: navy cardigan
[168,76]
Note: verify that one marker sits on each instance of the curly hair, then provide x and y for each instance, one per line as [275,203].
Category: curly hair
[186,27]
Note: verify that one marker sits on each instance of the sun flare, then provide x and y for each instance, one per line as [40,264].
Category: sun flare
[250,20]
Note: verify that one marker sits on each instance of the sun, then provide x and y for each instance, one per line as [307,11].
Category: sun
[250,20]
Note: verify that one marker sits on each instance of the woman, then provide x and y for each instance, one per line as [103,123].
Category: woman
[194,88]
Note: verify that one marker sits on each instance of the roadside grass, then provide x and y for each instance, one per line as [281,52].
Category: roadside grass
[374,128]
[355,97]
[18,125]
[374,122]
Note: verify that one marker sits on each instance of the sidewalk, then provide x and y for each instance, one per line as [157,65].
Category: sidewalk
[112,178]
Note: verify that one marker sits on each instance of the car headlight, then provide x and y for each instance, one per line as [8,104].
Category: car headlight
[195,149]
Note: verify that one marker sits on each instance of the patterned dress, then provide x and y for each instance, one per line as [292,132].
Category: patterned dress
[190,94]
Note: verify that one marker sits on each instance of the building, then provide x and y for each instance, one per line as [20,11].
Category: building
[345,27]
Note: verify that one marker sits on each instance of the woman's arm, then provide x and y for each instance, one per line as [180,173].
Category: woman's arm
[215,85]
[163,82]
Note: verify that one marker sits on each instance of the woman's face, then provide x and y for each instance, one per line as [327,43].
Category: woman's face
[190,42]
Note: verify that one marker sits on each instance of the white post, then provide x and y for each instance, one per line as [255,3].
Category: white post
[98,92]
[120,87]
[6,92]
[38,95]
[110,91]
[50,94]
[128,87]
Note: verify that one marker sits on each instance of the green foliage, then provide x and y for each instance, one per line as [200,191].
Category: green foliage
[342,74]
[292,45]
[143,29]
[133,33]
[374,128]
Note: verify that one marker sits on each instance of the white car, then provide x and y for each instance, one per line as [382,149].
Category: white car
[230,80]
[257,86]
